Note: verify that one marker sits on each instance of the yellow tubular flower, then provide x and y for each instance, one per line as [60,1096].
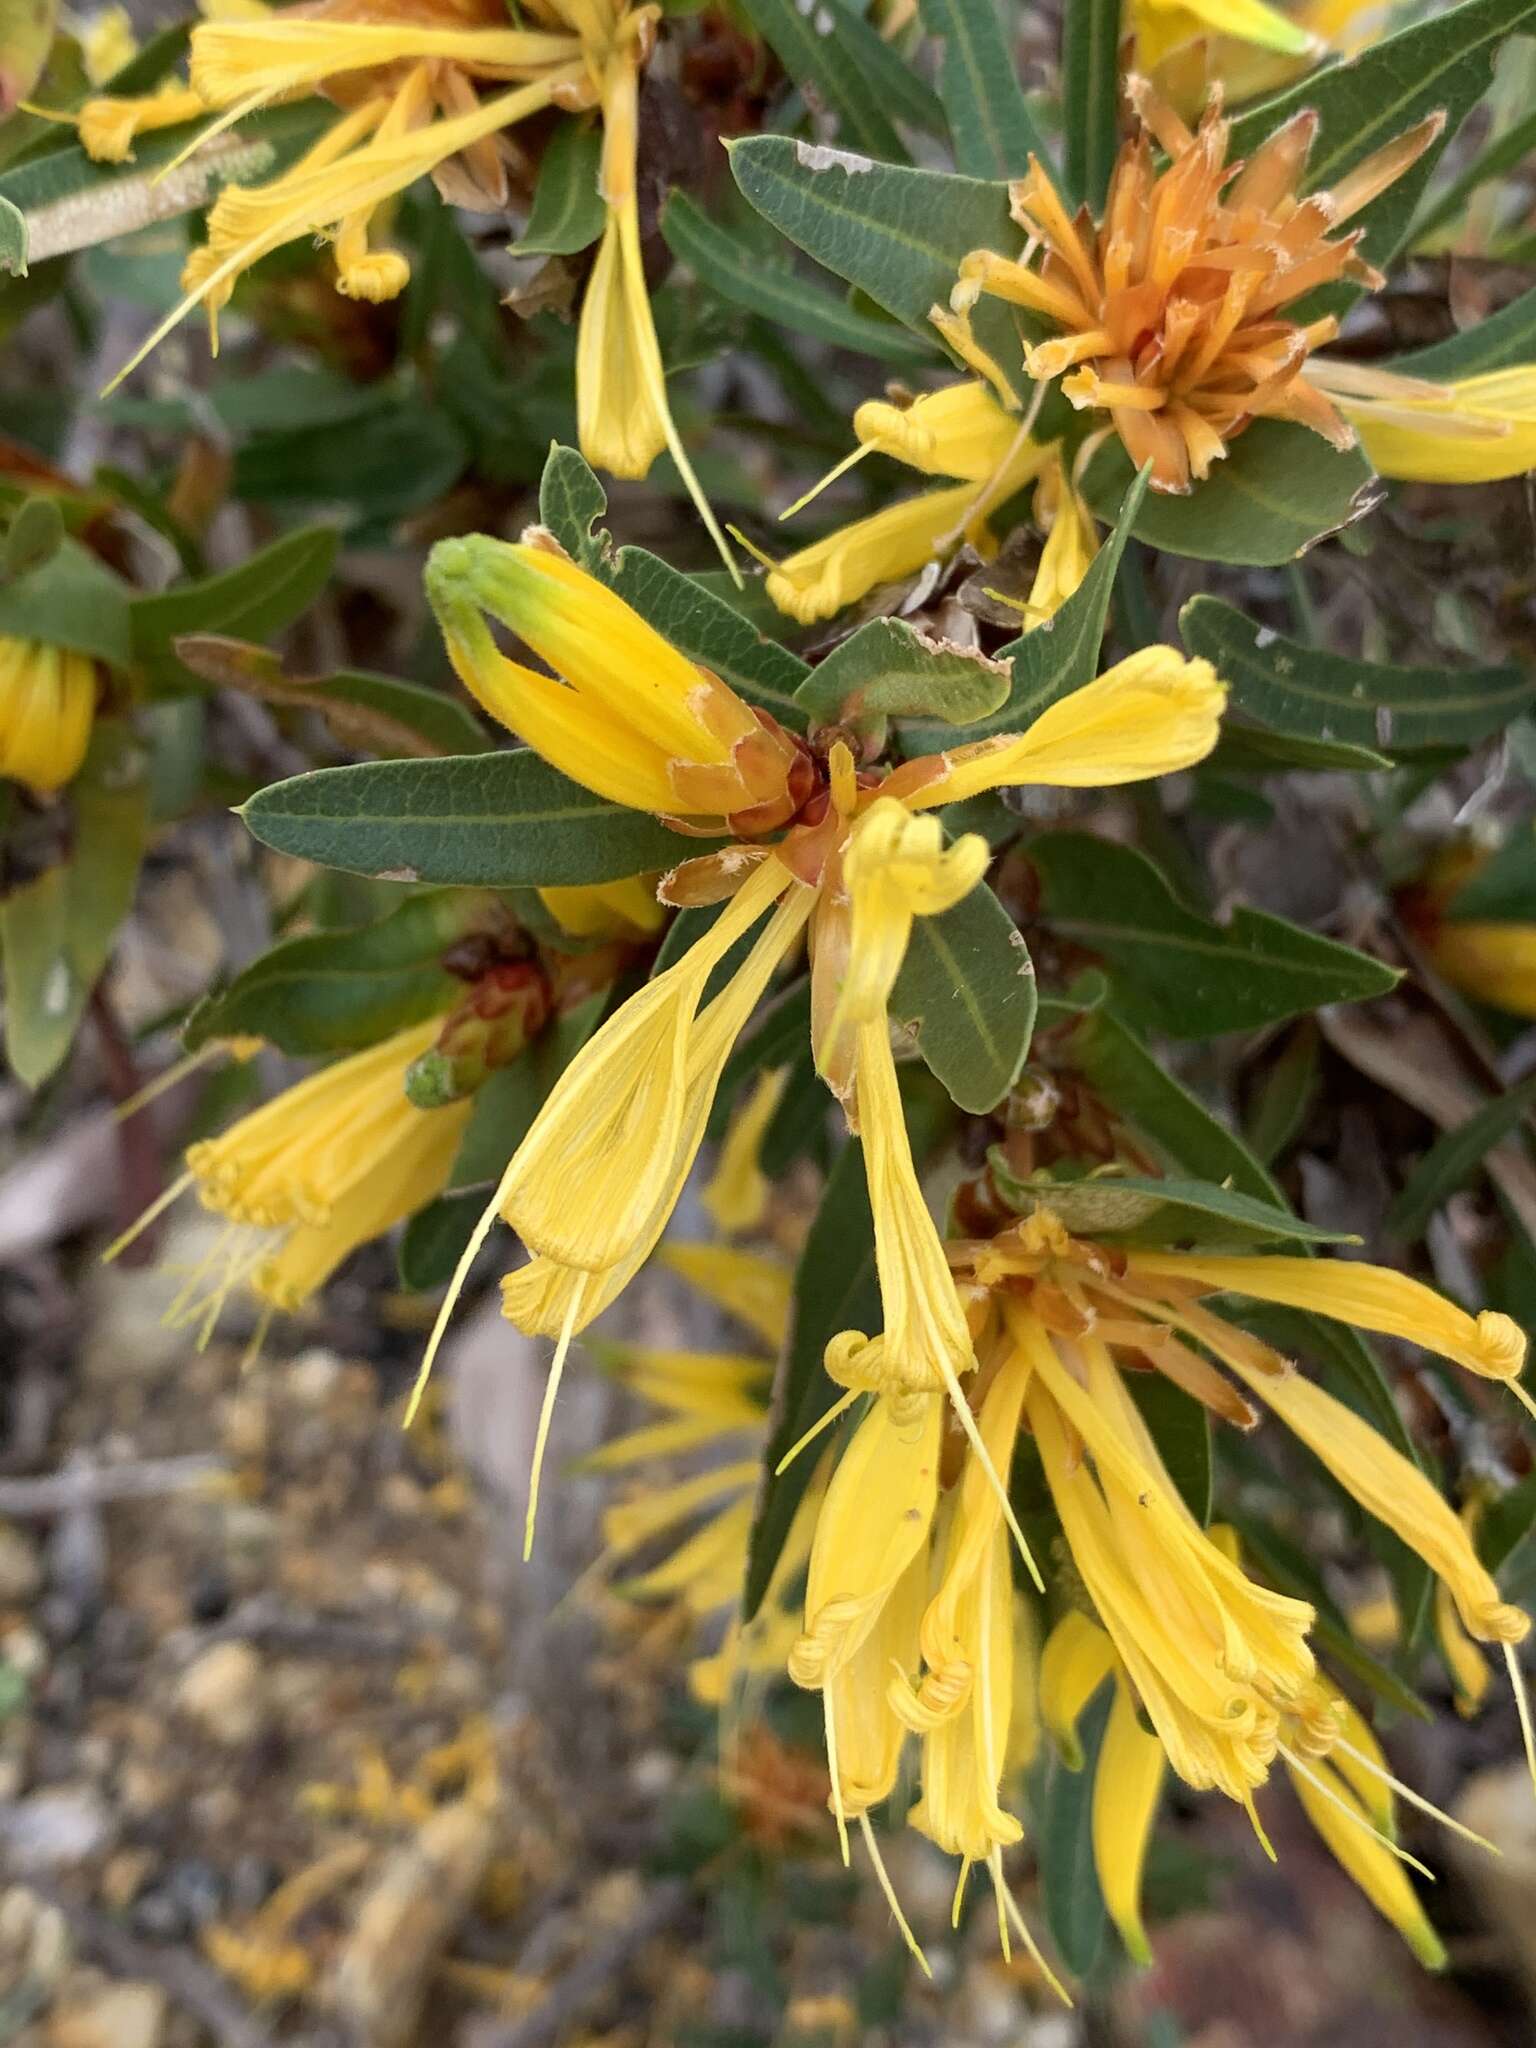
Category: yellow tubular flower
[1493,963]
[107,43]
[583,1187]
[633,719]
[757,1291]
[313,1174]
[1397,1493]
[372,153]
[1474,430]
[737,1196]
[109,127]
[1126,1790]
[1163,26]
[1071,542]
[606,910]
[1369,1297]
[1373,1867]
[1152,714]
[1077,1658]
[963,1750]
[962,1604]
[1468,1667]
[874,1520]
[959,431]
[47,704]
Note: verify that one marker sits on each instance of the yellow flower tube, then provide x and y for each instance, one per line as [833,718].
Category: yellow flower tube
[1126,1790]
[1077,1658]
[1373,1867]
[47,708]
[1369,1297]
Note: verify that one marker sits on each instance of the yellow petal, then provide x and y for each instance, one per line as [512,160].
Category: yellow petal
[873,1522]
[1152,714]
[1484,430]
[1369,1297]
[1494,963]
[1246,21]
[47,708]
[1077,1658]
[1373,1867]
[281,53]
[758,1291]
[737,1194]
[1395,1492]
[958,431]
[1126,1789]
[606,909]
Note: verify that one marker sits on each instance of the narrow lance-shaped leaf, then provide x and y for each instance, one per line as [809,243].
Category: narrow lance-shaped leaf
[967,987]
[1302,690]
[990,125]
[1176,971]
[779,293]
[496,821]
[332,991]
[1090,67]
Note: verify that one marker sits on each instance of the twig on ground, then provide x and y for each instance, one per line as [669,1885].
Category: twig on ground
[571,1994]
[85,1484]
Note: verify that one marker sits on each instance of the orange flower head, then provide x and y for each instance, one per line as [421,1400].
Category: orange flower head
[1172,309]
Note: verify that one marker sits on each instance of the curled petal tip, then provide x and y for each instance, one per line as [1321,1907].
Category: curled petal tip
[1502,1344]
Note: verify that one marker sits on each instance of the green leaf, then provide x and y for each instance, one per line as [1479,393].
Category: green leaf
[13,239]
[803,43]
[706,628]
[371,471]
[967,988]
[1069,1882]
[888,667]
[1152,1211]
[568,213]
[1090,93]
[1455,1157]
[895,85]
[338,991]
[1255,750]
[1280,489]
[571,501]
[495,821]
[433,1241]
[1176,971]
[1286,1097]
[70,600]
[1181,1429]
[1502,341]
[56,930]
[1304,691]
[711,632]
[1139,1088]
[1506,1523]
[373,714]
[1443,62]
[897,234]
[836,1288]
[264,594]
[775,291]
[992,129]
[1057,658]
[35,533]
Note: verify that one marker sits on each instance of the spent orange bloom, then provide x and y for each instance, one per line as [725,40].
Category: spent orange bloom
[1172,310]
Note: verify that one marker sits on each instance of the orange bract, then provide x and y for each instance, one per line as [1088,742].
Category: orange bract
[1172,310]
